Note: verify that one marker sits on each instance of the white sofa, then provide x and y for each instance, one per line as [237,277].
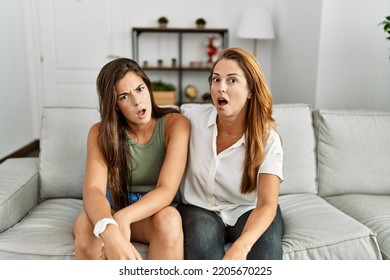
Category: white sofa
[335,198]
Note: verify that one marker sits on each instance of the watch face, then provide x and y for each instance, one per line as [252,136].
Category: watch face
[102,224]
[100,227]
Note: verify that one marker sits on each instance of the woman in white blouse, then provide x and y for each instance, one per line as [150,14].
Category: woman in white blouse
[234,170]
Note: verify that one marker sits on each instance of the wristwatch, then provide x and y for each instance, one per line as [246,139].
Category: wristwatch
[101,225]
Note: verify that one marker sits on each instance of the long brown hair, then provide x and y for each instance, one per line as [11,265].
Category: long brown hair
[259,114]
[112,138]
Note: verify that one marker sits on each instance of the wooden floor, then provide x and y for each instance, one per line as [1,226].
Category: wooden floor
[33,153]
[30,150]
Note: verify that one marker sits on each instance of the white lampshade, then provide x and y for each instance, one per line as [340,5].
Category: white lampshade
[256,23]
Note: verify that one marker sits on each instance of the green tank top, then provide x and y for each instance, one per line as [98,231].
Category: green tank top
[147,159]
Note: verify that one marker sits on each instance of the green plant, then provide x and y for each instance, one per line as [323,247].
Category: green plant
[174,62]
[200,21]
[161,86]
[163,20]
[206,97]
[386,27]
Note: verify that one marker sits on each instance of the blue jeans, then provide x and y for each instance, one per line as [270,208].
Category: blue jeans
[205,235]
[132,198]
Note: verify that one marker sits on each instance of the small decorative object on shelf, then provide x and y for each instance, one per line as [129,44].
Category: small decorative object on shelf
[163,22]
[211,50]
[195,64]
[174,64]
[164,93]
[160,63]
[145,64]
[200,23]
[191,92]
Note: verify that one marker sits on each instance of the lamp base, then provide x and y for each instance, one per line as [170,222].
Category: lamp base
[254,47]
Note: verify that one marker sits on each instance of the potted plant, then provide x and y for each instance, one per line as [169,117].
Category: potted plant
[200,23]
[386,27]
[163,22]
[164,93]
[206,97]
[145,64]
[174,63]
[162,86]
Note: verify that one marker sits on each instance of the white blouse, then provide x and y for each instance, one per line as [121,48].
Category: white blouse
[212,181]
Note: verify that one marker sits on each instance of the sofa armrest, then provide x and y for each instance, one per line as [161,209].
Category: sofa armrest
[19,185]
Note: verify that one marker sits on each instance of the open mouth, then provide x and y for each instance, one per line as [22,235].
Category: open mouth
[141,112]
[222,101]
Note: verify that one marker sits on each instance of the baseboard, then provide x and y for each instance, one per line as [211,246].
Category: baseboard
[24,151]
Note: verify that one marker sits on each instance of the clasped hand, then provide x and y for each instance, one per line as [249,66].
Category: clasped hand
[117,245]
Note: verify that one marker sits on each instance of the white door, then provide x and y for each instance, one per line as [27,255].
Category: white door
[77,37]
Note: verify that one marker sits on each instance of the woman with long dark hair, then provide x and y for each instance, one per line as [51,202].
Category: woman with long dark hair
[136,156]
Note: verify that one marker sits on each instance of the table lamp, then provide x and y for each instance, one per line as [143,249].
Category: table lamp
[256,23]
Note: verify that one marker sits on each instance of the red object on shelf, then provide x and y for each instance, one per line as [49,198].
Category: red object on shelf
[211,49]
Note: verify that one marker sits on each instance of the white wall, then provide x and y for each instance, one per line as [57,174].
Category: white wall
[16,125]
[354,64]
[295,53]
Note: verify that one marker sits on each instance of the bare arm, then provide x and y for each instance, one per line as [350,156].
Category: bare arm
[117,245]
[95,180]
[260,218]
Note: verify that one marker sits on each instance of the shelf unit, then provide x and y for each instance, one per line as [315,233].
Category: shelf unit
[180,69]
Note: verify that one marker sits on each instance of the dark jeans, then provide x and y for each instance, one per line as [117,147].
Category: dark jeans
[205,235]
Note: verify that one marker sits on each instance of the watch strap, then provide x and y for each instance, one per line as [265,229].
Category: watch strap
[102,224]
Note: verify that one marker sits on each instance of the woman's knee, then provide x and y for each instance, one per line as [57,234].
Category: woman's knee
[167,223]
[87,246]
[81,224]
[204,233]
[198,221]
[202,227]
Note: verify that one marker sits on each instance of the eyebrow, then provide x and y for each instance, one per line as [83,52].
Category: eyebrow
[231,74]
[123,93]
[139,86]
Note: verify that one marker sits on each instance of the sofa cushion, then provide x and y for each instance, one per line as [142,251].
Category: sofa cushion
[314,229]
[294,124]
[63,150]
[353,152]
[18,189]
[370,210]
[45,233]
